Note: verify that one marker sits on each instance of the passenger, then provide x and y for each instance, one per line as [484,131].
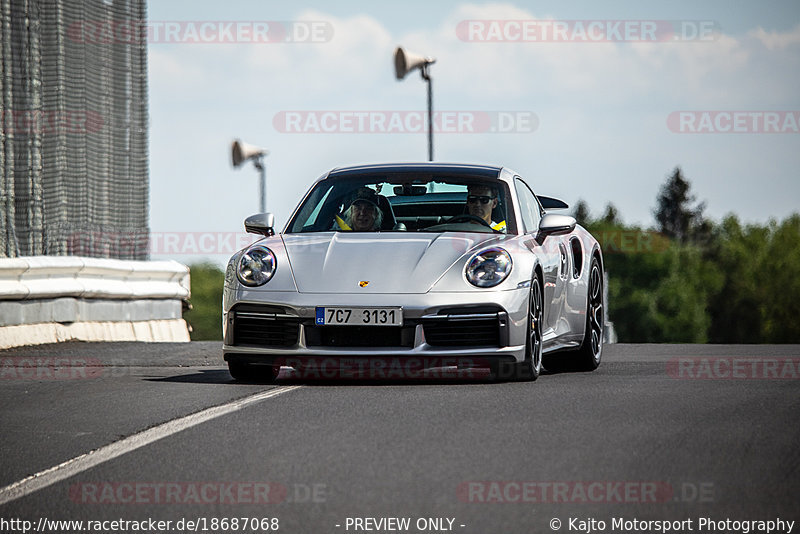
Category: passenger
[363,214]
[481,202]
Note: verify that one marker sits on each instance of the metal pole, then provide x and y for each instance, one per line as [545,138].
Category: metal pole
[262,185]
[427,78]
[263,188]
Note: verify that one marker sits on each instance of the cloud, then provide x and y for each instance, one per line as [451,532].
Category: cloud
[777,40]
[355,65]
[346,64]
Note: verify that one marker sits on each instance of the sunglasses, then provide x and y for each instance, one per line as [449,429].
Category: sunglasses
[473,199]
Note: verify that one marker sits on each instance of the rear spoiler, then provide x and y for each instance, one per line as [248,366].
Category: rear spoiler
[550,203]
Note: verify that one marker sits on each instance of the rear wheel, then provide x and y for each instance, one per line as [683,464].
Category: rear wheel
[587,357]
[243,372]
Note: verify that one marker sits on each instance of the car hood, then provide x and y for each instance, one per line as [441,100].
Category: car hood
[339,262]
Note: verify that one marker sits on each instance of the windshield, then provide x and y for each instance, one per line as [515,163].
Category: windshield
[378,204]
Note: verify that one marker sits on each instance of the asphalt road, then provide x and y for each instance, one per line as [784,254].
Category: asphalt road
[658,432]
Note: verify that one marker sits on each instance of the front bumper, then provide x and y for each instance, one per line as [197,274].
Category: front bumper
[274,328]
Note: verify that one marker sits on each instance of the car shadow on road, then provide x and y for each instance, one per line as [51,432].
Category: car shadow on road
[222,376]
[202,376]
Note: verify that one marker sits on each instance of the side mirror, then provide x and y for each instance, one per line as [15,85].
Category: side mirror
[260,223]
[552,224]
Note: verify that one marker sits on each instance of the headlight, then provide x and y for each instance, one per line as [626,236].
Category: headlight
[230,271]
[488,267]
[256,266]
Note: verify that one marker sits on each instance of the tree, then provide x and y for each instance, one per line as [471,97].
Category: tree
[581,213]
[675,214]
[781,305]
[736,309]
[760,299]
[611,215]
[660,296]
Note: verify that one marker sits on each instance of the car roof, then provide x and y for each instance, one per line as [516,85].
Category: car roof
[439,169]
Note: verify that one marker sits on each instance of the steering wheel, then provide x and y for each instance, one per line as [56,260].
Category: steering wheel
[467,218]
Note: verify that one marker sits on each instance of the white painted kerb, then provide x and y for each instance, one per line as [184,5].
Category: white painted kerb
[97,278]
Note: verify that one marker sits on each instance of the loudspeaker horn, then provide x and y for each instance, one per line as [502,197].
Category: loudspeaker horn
[241,152]
[405,62]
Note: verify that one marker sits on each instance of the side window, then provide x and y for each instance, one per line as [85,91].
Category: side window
[528,205]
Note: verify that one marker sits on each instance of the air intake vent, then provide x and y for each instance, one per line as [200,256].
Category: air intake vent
[265,329]
[360,336]
[463,333]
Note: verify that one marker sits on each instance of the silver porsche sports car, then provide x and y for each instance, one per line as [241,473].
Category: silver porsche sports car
[402,270]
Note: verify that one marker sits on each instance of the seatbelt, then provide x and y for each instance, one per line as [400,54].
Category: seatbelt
[343,225]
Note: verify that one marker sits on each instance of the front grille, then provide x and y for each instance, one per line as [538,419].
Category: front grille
[359,336]
[463,333]
[265,330]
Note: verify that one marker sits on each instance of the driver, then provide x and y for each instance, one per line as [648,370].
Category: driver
[481,201]
[363,215]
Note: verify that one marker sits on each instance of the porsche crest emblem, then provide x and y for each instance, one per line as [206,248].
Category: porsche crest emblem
[363,283]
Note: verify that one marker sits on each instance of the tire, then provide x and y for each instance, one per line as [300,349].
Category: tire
[588,356]
[242,372]
[532,366]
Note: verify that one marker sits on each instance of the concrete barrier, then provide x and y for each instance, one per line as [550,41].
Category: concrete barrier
[47,299]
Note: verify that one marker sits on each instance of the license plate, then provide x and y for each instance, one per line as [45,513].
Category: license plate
[360,316]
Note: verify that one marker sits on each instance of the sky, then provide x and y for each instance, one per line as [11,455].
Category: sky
[589,100]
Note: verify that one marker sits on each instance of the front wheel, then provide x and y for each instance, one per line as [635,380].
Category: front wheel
[532,366]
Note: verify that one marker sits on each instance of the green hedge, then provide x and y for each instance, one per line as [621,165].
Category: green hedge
[205,317]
